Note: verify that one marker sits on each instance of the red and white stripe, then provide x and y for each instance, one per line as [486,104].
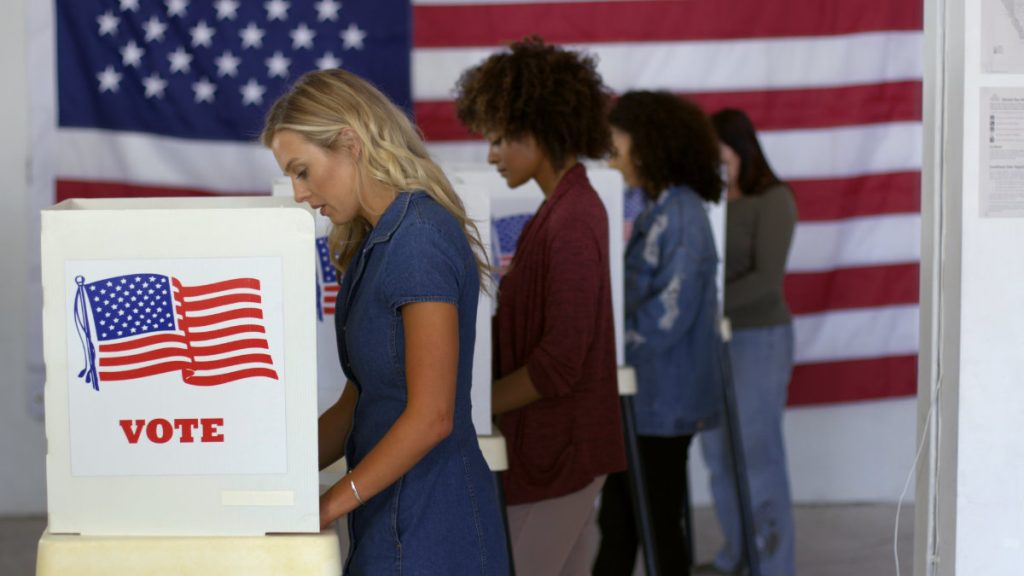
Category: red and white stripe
[835,89]
[330,297]
[143,356]
[223,323]
[220,338]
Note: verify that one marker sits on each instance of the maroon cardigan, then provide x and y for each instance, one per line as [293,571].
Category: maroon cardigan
[555,317]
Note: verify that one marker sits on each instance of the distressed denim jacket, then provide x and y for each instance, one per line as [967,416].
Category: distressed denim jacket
[672,337]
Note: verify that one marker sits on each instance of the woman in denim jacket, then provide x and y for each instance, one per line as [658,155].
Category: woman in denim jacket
[419,498]
[665,147]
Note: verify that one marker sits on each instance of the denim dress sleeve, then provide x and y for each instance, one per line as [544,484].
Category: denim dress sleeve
[663,268]
[424,265]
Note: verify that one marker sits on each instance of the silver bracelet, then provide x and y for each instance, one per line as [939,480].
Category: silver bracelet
[355,492]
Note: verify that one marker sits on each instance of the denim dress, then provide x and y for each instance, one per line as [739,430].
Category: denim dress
[441,517]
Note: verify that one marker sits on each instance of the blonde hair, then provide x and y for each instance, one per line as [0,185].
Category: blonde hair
[321,104]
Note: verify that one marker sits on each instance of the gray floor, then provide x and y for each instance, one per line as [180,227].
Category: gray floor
[855,540]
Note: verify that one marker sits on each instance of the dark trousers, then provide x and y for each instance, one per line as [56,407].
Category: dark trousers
[664,464]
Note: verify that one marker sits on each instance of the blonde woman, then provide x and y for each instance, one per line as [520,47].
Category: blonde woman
[419,498]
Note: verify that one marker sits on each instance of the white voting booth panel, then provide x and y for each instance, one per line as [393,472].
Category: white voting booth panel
[524,201]
[180,363]
[331,379]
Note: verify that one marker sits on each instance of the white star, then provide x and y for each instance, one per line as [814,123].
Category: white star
[131,54]
[328,61]
[204,90]
[353,37]
[227,64]
[108,23]
[202,34]
[110,80]
[176,7]
[252,92]
[154,29]
[226,9]
[327,10]
[302,37]
[252,36]
[129,5]
[181,61]
[155,85]
[277,65]
[276,10]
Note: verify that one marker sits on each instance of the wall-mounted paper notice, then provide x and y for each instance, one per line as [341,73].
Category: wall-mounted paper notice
[1002,36]
[1001,189]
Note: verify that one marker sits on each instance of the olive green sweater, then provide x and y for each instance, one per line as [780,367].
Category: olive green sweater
[757,238]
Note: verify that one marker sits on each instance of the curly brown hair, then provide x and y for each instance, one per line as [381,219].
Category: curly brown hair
[542,90]
[673,142]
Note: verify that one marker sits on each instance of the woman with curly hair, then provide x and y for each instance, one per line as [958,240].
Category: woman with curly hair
[419,498]
[665,147]
[540,108]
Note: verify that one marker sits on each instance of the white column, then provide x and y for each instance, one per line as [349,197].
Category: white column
[22,441]
[970,513]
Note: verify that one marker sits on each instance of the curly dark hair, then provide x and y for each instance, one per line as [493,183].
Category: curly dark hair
[537,89]
[673,143]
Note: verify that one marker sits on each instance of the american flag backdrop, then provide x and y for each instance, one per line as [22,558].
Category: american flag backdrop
[139,325]
[165,98]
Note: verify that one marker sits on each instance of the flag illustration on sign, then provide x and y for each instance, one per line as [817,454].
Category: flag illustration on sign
[509,228]
[139,325]
[632,206]
[327,280]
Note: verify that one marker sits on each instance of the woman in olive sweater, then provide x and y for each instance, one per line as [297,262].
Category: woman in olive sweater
[760,222]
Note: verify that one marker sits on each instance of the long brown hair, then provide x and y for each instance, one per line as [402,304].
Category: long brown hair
[735,130]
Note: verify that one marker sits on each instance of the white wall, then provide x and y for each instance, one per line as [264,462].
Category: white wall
[973,511]
[989,454]
[22,442]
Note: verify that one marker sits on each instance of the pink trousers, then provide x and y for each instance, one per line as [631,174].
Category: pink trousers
[554,537]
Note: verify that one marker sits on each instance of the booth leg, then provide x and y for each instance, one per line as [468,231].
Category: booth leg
[688,515]
[749,547]
[638,489]
[500,487]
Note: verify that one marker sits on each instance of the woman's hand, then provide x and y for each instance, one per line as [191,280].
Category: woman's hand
[338,501]
[327,516]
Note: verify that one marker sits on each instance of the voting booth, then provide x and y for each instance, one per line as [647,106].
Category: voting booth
[180,367]
[510,209]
